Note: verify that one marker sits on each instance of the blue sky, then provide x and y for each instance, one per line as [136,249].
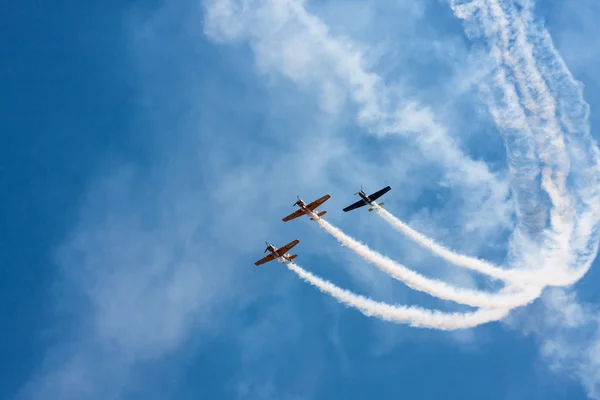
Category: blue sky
[149,150]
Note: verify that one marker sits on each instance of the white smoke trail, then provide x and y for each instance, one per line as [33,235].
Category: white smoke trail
[554,104]
[573,113]
[544,124]
[448,255]
[435,288]
[413,316]
[549,277]
[509,49]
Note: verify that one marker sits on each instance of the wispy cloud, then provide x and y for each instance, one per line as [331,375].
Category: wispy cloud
[568,335]
[289,40]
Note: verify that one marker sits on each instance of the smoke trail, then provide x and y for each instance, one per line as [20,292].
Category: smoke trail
[544,124]
[509,49]
[413,316]
[433,287]
[573,112]
[572,240]
[550,276]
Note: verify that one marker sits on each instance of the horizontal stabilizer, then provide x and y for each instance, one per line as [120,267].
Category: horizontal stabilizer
[380,205]
[292,257]
[320,214]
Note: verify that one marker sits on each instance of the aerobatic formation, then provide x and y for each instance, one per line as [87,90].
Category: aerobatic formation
[554,175]
[310,211]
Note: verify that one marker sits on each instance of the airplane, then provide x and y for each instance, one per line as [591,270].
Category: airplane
[367,200]
[278,253]
[307,209]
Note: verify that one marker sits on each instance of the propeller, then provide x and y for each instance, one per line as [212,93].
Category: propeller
[361,189]
[267,246]
[297,201]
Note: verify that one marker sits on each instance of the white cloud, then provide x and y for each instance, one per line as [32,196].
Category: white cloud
[568,334]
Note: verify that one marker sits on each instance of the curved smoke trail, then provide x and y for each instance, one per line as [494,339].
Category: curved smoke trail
[413,316]
[540,110]
[551,277]
[439,289]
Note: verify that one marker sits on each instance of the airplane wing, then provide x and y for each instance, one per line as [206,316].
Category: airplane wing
[294,215]
[373,197]
[379,193]
[356,205]
[266,259]
[284,249]
[318,202]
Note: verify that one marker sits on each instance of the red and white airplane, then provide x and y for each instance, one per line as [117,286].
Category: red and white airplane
[308,209]
[278,253]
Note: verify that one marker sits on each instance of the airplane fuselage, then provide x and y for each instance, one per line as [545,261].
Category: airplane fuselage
[364,196]
[303,207]
[273,251]
[368,201]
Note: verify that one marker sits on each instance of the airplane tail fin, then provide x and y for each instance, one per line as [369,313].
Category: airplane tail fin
[320,214]
[380,205]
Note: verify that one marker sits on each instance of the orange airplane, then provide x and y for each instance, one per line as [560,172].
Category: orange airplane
[278,253]
[308,209]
